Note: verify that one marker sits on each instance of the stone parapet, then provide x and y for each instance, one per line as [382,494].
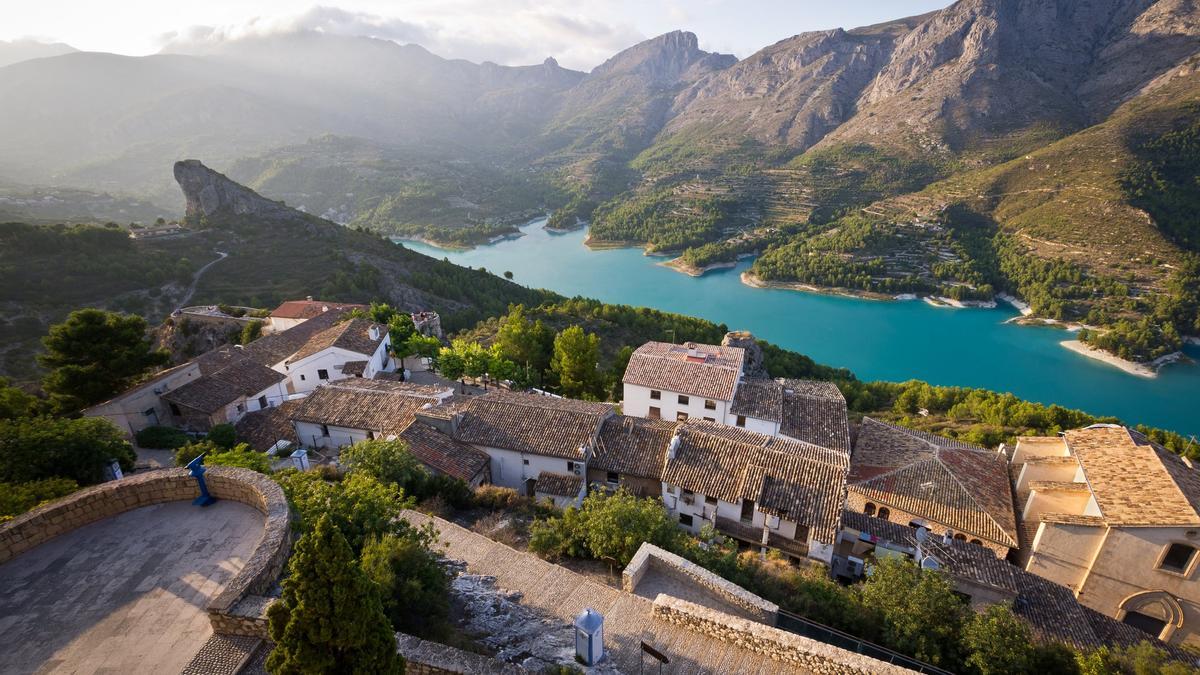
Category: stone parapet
[431,658]
[232,610]
[795,650]
[651,557]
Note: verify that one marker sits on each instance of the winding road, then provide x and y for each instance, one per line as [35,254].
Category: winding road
[196,280]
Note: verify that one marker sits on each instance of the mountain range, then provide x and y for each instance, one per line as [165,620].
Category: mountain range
[958,153]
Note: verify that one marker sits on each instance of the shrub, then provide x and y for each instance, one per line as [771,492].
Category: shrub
[240,455]
[161,438]
[498,498]
[607,527]
[17,498]
[361,506]
[35,448]
[412,581]
[223,435]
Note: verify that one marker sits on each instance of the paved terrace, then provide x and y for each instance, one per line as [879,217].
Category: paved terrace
[563,594]
[123,595]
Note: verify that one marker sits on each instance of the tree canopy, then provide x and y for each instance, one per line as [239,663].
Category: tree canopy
[575,361]
[34,448]
[94,355]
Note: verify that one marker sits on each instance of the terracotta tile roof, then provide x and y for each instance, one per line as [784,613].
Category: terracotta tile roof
[274,348]
[353,336]
[815,412]
[1120,634]
[530,423]
[559,484]
[633,446]
[444,454]
[1069,519]
[308,309]
[354,368]
[369,405]
[760,399]
[713,374]
[1058,486]
[211,393]
[1135,482]
[797,481]
[960,486]
[262,429]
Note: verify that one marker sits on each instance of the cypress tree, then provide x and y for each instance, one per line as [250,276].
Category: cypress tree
[330,618]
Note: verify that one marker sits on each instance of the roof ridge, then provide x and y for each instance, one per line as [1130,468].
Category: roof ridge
[971,495]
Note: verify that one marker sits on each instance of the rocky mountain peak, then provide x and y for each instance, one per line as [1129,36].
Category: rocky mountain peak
[663,60]
[210,194]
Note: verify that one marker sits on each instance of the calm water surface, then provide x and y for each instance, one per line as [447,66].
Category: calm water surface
[875,339]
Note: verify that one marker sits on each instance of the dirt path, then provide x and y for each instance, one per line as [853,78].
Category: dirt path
[196,280]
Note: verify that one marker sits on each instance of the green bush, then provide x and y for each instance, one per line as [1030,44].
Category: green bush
[161,438]
[414,585]
[498,498]
[223,435]
[606,527]
[240,455]
[361,506]
[17,498]
[47,447]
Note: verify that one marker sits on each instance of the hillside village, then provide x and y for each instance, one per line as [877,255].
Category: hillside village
[1090,536]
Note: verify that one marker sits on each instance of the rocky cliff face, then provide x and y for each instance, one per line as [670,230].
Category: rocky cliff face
[209,194]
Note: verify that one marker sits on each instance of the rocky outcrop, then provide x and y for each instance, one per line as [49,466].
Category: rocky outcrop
[211,195]
[752,366]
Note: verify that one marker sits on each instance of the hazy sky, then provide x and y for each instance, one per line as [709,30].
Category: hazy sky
[579,33]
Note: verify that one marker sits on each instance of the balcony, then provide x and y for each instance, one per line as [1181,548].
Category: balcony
[753,535]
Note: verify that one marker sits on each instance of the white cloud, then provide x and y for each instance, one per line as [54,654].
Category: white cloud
[512,33]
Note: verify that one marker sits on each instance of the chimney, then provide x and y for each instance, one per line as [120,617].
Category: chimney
[948,538]
[308,298]
[374,331]
[673,447]
[446,425]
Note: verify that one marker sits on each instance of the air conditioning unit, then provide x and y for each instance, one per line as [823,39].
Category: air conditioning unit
[578,471]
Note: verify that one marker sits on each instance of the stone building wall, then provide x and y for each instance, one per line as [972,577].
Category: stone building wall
[431,658]
[795,650]
[651,557]
[856,502]
[240,607]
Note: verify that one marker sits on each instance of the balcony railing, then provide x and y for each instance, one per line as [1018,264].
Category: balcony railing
[753,535]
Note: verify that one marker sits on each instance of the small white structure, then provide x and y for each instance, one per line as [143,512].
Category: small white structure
[300,459]
[589,637]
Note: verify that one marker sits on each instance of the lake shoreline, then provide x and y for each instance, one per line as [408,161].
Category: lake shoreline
[751,280]
[1147,370]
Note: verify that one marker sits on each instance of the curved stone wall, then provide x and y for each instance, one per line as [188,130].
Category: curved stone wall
[240,607]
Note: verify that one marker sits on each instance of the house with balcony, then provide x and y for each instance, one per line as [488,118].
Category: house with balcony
[918,479]
[1114,517]
[355,348]
[763,491]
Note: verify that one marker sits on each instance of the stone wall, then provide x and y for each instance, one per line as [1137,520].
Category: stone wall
[810,655]
[241,606]
[431,658]
[651,557]
[856,502]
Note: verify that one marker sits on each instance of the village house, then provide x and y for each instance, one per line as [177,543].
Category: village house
[142,405]
[919,479]
[1115,518]
[678,382]
[631,454]
[356,348]
[444,455]
[295,312]
[764,491]
[347,412]
[224,396]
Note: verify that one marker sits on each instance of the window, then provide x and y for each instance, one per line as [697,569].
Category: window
[570,467]
[914,524]
[262,402]
[325,430]
[149,412]
[1177,558]
[322,374]
[613,477]
[689,497]
[1145,623]
[869,509]
[710,405]
[175,410]
[960,536]
[655,413]
[711,501]
[680,417]
[525,462]
[301,377]
[241,407]
[370,435]
[655,395]
[711,419]
[683,400]
[741,420]
[884,512]
[977,542]
[685,520]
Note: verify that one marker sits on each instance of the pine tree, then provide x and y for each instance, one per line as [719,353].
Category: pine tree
[330,618]
[576,356]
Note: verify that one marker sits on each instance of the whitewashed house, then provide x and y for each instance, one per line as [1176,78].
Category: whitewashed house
[224,396]
[765,491]
[680,382]
[295,312]
[142,406]
[537,444]
[351,411]
[357,348]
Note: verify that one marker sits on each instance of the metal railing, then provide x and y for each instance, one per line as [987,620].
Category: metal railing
[799,625]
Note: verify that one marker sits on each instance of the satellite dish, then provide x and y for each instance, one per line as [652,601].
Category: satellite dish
[930,563]
[922,534]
